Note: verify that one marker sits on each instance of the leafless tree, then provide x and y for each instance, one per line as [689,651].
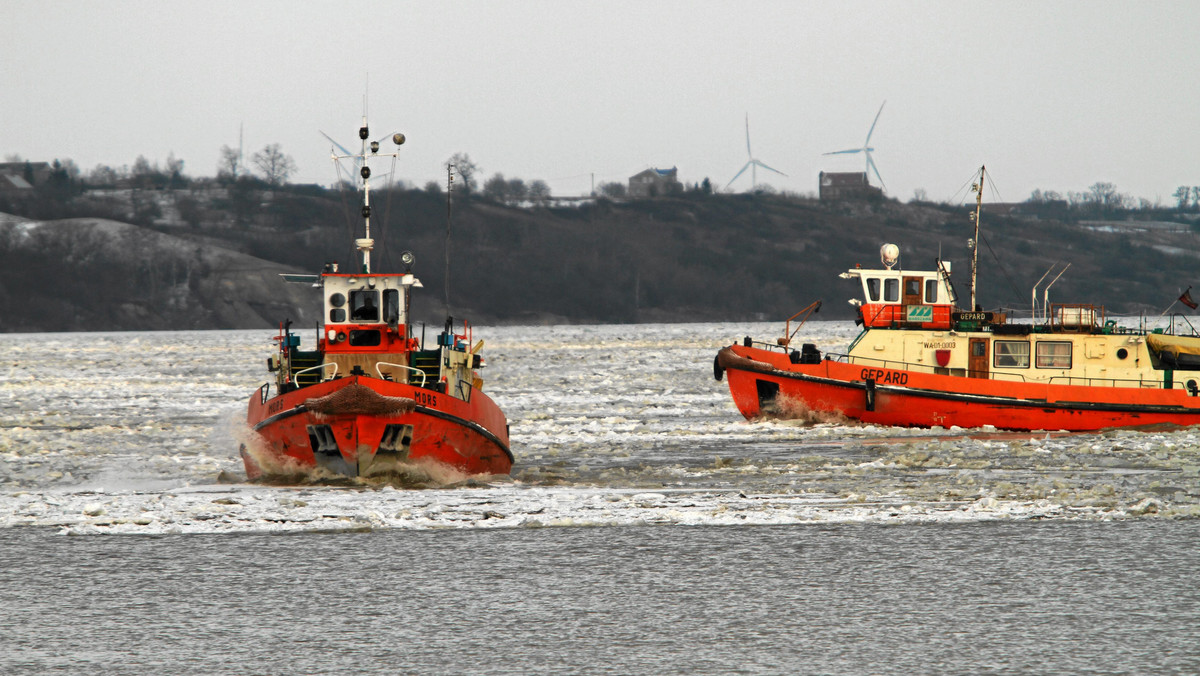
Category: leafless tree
[229,164]
[466,170]
[274,165]
[539,191]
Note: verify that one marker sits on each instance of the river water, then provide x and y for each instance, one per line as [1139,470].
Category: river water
[646,528]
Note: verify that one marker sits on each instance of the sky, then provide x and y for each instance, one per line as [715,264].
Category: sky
[1048,95]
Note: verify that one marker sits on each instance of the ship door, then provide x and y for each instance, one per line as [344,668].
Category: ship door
[912,290]
[977,364]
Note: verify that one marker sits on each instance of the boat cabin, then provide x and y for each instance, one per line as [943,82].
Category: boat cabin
[910,299]
[367,332]
[366,324]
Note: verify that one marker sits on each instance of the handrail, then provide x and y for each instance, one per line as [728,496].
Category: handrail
[909,366]
[265,392]
[318,366]
[1002,375]
[406,367]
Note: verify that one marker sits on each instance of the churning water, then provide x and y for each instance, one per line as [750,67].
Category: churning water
[889,551]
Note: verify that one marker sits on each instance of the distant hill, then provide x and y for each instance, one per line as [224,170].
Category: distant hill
[694,257]
[98,275]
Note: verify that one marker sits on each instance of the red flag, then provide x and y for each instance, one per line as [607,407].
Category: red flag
[1186,299]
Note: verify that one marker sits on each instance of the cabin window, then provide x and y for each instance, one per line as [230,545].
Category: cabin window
[912,287]
[365,337]
[1012,354]
[391,306]
[336,315]
[873,289]
[931,291]
[364,305]
[891,290]
[1053,354]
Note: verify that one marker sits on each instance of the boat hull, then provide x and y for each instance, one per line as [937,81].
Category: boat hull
[362,426]
[764,383]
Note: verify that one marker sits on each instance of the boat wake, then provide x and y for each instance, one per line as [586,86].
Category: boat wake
[796,412]
[419,474]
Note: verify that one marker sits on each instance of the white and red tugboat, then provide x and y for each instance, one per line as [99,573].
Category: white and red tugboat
[920,361]
[368,397]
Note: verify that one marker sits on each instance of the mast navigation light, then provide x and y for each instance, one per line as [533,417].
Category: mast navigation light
[407,258]
[374,147]
[398,139]
[363,133]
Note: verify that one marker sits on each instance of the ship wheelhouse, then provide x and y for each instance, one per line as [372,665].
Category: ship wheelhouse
[895,298]
[366,326]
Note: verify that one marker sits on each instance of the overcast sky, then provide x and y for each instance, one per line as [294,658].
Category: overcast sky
[1049,95]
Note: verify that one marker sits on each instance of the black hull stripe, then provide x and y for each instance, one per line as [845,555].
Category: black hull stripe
[470,424]
[280,416]
[982,399]
[432,412]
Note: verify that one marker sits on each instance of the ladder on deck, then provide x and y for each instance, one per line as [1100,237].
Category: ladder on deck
[428,362]
[300,360]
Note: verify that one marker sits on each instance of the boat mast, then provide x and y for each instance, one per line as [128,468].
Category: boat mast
[978,188]
[365,243]
[449,187]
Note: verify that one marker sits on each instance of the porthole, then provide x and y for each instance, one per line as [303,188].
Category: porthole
[337,300]
[1122,353]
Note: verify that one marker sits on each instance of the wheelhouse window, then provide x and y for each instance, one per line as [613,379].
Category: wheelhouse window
[364,305]
[391,306]
[1012,354]
[1053,354]
[891,290]
[931,286]
[337,313]
[873,289]
[912,287]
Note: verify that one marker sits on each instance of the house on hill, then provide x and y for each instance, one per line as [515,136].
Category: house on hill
[846,186]
[22,176]
[654,182]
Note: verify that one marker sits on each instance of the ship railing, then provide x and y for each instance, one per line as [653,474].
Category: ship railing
[1181,320]
[316,368]
[1017,377]
[404,367]
[1154,384]
[920,368]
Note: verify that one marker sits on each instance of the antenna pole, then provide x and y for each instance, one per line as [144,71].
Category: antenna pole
[449,188]
[975,242]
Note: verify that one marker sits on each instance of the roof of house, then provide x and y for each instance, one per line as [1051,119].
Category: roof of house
[660,173]
[844,179]
[14,181]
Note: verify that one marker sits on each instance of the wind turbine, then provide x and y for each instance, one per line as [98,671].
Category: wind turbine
[866,149]
[752,164]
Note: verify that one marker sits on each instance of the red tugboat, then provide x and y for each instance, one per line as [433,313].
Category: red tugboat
[920,361]
[368,398]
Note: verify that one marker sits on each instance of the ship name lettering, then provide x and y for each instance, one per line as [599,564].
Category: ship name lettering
[425,398]
[275,407]
[885,377]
